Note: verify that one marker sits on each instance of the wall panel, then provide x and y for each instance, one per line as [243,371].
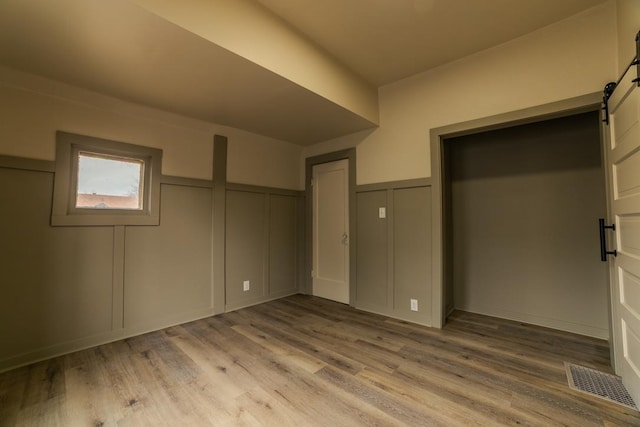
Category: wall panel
[168,268]
[56,282]
[412,252]
[245,247]
[394,253]
[372,254]
[283,212]
[262,241]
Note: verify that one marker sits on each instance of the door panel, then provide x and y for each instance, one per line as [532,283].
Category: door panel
[629,226]
[625,120]
[625,176]
[623,166]
[331,230]
[330,198]
[630,292]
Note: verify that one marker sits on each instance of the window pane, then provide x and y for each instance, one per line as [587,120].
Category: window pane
[106,182]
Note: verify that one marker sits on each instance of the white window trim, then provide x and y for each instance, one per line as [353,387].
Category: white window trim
[64,212]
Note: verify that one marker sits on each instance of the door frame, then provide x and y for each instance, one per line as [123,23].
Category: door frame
[310,162]
[568,107]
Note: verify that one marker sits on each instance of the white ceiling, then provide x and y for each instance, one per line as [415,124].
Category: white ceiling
[117,48]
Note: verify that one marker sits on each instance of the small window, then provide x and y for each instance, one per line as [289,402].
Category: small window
[101,182]
[107,182]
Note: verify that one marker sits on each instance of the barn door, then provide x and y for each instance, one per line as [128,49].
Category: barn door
[623,169]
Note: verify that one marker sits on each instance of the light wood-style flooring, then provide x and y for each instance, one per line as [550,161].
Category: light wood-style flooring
[304,361]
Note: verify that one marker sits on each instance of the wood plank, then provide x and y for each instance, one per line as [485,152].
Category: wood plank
[307,361]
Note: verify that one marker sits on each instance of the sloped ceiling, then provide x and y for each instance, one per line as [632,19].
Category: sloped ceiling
[181,56]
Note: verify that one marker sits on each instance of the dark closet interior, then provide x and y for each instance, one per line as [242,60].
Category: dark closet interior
[521,224]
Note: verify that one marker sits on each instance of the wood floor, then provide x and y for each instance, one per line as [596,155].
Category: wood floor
[304,361]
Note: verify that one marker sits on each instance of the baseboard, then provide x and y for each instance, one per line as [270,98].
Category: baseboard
[249,303]
[84,343]
[547,322]
[393,314]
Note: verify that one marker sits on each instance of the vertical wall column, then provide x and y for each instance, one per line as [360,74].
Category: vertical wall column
[255,239]
[219,224]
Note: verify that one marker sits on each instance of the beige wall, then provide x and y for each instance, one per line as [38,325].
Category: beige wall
[564,60]
[256,160]
[574,57]
[33,108]
[628,20]
[66,288]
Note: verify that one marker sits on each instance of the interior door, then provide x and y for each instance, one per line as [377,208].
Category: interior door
[330,270]
[623,168]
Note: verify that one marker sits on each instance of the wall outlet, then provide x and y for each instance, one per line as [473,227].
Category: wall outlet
[246,285]
[414,305]
[382,212]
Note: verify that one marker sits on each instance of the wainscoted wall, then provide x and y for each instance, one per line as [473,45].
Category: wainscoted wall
[67,288]
[167,272]
[56,282]
[393,260]
[263,244]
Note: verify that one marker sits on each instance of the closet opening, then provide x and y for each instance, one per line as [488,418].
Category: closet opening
[520,224]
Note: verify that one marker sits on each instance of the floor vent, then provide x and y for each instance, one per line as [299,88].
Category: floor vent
[600,384]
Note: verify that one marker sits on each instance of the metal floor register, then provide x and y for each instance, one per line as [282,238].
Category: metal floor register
[599,384]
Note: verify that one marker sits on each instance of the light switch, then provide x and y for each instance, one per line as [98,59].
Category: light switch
[382,212]
[246,285]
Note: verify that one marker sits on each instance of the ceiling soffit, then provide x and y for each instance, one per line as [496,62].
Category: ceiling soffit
[122,50]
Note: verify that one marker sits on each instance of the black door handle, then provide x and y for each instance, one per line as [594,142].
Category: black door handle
[603,240]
